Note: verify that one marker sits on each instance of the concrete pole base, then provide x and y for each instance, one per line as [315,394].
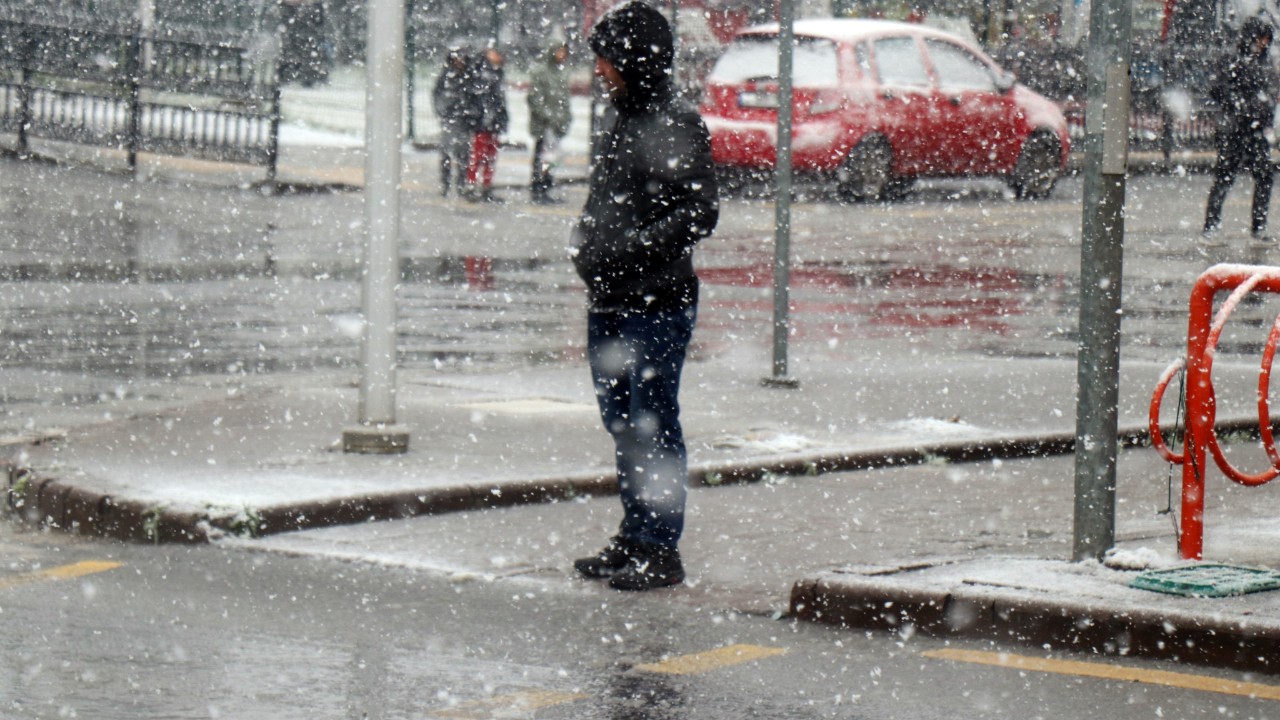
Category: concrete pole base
[376,439]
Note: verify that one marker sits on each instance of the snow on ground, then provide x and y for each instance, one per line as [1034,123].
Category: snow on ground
[333,114]
[299,134]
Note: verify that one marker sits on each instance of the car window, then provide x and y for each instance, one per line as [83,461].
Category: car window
[898,63]
[958,69]
[755,57]
[862,56]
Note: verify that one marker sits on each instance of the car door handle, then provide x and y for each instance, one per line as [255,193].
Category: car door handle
[955,100]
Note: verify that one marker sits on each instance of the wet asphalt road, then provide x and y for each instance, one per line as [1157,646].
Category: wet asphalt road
[217,632]
[111,288]
[112,285]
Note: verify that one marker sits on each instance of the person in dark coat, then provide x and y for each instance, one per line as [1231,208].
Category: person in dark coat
[1245,91]
[490,92]
[456,106]
[652,197]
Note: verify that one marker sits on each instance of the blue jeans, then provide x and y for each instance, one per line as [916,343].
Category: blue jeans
[636,358]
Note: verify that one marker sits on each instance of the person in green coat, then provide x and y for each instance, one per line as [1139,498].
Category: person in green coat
[548,117]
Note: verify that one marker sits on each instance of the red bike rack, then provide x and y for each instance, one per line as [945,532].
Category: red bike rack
[1201,437]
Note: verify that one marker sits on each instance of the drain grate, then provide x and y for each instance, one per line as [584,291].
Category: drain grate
[1208,580]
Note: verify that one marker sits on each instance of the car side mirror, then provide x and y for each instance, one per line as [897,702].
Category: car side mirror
[1005,81]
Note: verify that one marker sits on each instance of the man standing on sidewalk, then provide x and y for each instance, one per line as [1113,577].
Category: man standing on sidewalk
[492,122]
[1245,93]
[457,109]
[548,117]
[652,198]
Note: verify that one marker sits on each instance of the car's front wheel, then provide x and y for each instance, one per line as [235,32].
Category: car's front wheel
[867,172]
[1038,168]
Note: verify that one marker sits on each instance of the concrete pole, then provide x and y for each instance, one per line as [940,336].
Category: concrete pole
[1101,261]
[147,24]
[782,202]
[377,431]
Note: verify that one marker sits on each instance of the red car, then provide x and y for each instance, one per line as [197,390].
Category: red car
[879,104]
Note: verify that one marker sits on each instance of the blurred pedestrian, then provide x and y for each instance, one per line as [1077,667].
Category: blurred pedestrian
[549,117]
[458,110]
[652,198]
[1245,92]
[490,91]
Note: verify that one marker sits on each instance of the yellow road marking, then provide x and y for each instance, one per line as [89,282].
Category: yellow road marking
[710,660]
[62,572]
[1110,672]
[503,705]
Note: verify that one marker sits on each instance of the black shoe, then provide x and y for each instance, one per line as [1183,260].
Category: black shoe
[605,563]
[546,200]
[649,567]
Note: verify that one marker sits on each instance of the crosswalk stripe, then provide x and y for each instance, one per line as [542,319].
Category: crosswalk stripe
[1103,671]
[62,572]
[710,660]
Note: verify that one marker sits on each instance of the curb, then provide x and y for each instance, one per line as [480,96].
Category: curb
[878,603]
[40,500]
[413,268]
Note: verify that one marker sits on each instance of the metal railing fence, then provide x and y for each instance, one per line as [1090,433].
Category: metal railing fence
[183,91]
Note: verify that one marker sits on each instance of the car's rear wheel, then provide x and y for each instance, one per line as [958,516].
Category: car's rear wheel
[729,181]
[1038,168]
[867,172]
[899,188]
[742,181]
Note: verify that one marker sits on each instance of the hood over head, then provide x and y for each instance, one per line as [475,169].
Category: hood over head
[1250,31]
[636,39]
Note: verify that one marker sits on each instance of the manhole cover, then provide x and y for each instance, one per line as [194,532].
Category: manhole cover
[1207,580]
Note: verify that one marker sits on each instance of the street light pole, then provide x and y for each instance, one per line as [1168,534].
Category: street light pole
[147,24]
[411,71]
[377,431]
[782,202]
[675,36]
[1101,261]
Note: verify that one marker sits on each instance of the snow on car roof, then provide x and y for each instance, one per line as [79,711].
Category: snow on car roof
[848,29]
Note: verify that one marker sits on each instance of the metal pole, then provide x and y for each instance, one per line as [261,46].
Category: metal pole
[134,70]
[675,35]
[411,70]
[27,43]
[1101,260]
[377,432]
[782,203]
[273,128]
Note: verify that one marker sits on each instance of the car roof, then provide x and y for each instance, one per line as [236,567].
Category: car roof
[851,29]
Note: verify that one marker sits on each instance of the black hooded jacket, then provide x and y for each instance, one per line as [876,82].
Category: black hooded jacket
[1245,88]
[653,189]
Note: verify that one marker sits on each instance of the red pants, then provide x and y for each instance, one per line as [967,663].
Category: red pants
[484,157]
